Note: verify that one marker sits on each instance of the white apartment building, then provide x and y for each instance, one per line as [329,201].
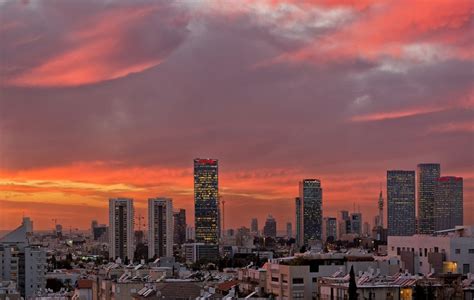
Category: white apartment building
[160,227]
[449,251]
[121,233]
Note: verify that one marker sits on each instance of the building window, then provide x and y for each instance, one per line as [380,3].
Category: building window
[298,281]
[471,251]
[426,252]
[275,279]
[436,249]
[457,251]
[465,268]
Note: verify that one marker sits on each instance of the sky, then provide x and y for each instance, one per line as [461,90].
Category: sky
[102,98]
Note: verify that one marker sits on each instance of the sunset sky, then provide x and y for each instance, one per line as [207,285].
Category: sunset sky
[102,99]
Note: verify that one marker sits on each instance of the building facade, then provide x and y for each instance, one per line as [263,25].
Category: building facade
[401,208]
[330,229]
[448,202]
[121,232]
[206,202]
[270,228]
[427,176]
[311,195]
[298,221]
[180,226]
[160,227]
[254,226]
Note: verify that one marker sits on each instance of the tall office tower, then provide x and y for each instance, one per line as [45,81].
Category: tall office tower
[344,223]
[401,202]
[254,225]
[379,222]
[160,227]
[121,228]
[329,229]
[180,226]
[356,223]
[270,228]
[448,206]
[94,224]
[289,230]
[311,195]
[427,176]
[206,202]
[299,221]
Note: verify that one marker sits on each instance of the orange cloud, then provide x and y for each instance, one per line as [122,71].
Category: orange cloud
[381,116]
[100,49]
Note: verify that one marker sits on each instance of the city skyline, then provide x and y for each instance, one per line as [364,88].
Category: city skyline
[102,99]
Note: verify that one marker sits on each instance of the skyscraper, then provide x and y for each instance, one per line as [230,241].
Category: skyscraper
[206,202]
[289,230]
[448,202]
[254,225]
[180,226]
[401,202]
[270,228]
[311,195]
[380,216]
[356,223]
[160,227]
[121,228]
[298,221]
[427,176]
[330,229]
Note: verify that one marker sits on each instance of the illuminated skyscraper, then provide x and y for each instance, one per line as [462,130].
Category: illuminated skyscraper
[329,229]
[160,227]
[299,221]
[401,202]
[427,176]
[206,202]
[448,206]
[311,195]
[121,228]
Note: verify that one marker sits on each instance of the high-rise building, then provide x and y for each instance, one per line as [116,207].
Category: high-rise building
[22,263]
[160,227]
[379,222]
[356,223]
[121,233]
[94,224]
[180,227]
[329,229]
[311,195]
[289,230]
[254,225]
[448,202]
[427,176]
[344,223]
[299,221]
[401,202]
[206,202]
[270,228]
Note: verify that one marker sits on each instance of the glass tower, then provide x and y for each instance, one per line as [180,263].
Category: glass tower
[311,195]
[427,177]
[401,203]
[448,208]
[206,202]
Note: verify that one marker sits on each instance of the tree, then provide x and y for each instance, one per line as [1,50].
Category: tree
[352,285]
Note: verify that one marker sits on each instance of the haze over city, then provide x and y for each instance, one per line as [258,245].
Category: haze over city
[102,99]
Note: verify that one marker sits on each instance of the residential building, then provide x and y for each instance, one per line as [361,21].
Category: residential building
[160,227]
[121,232]
[450,251]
